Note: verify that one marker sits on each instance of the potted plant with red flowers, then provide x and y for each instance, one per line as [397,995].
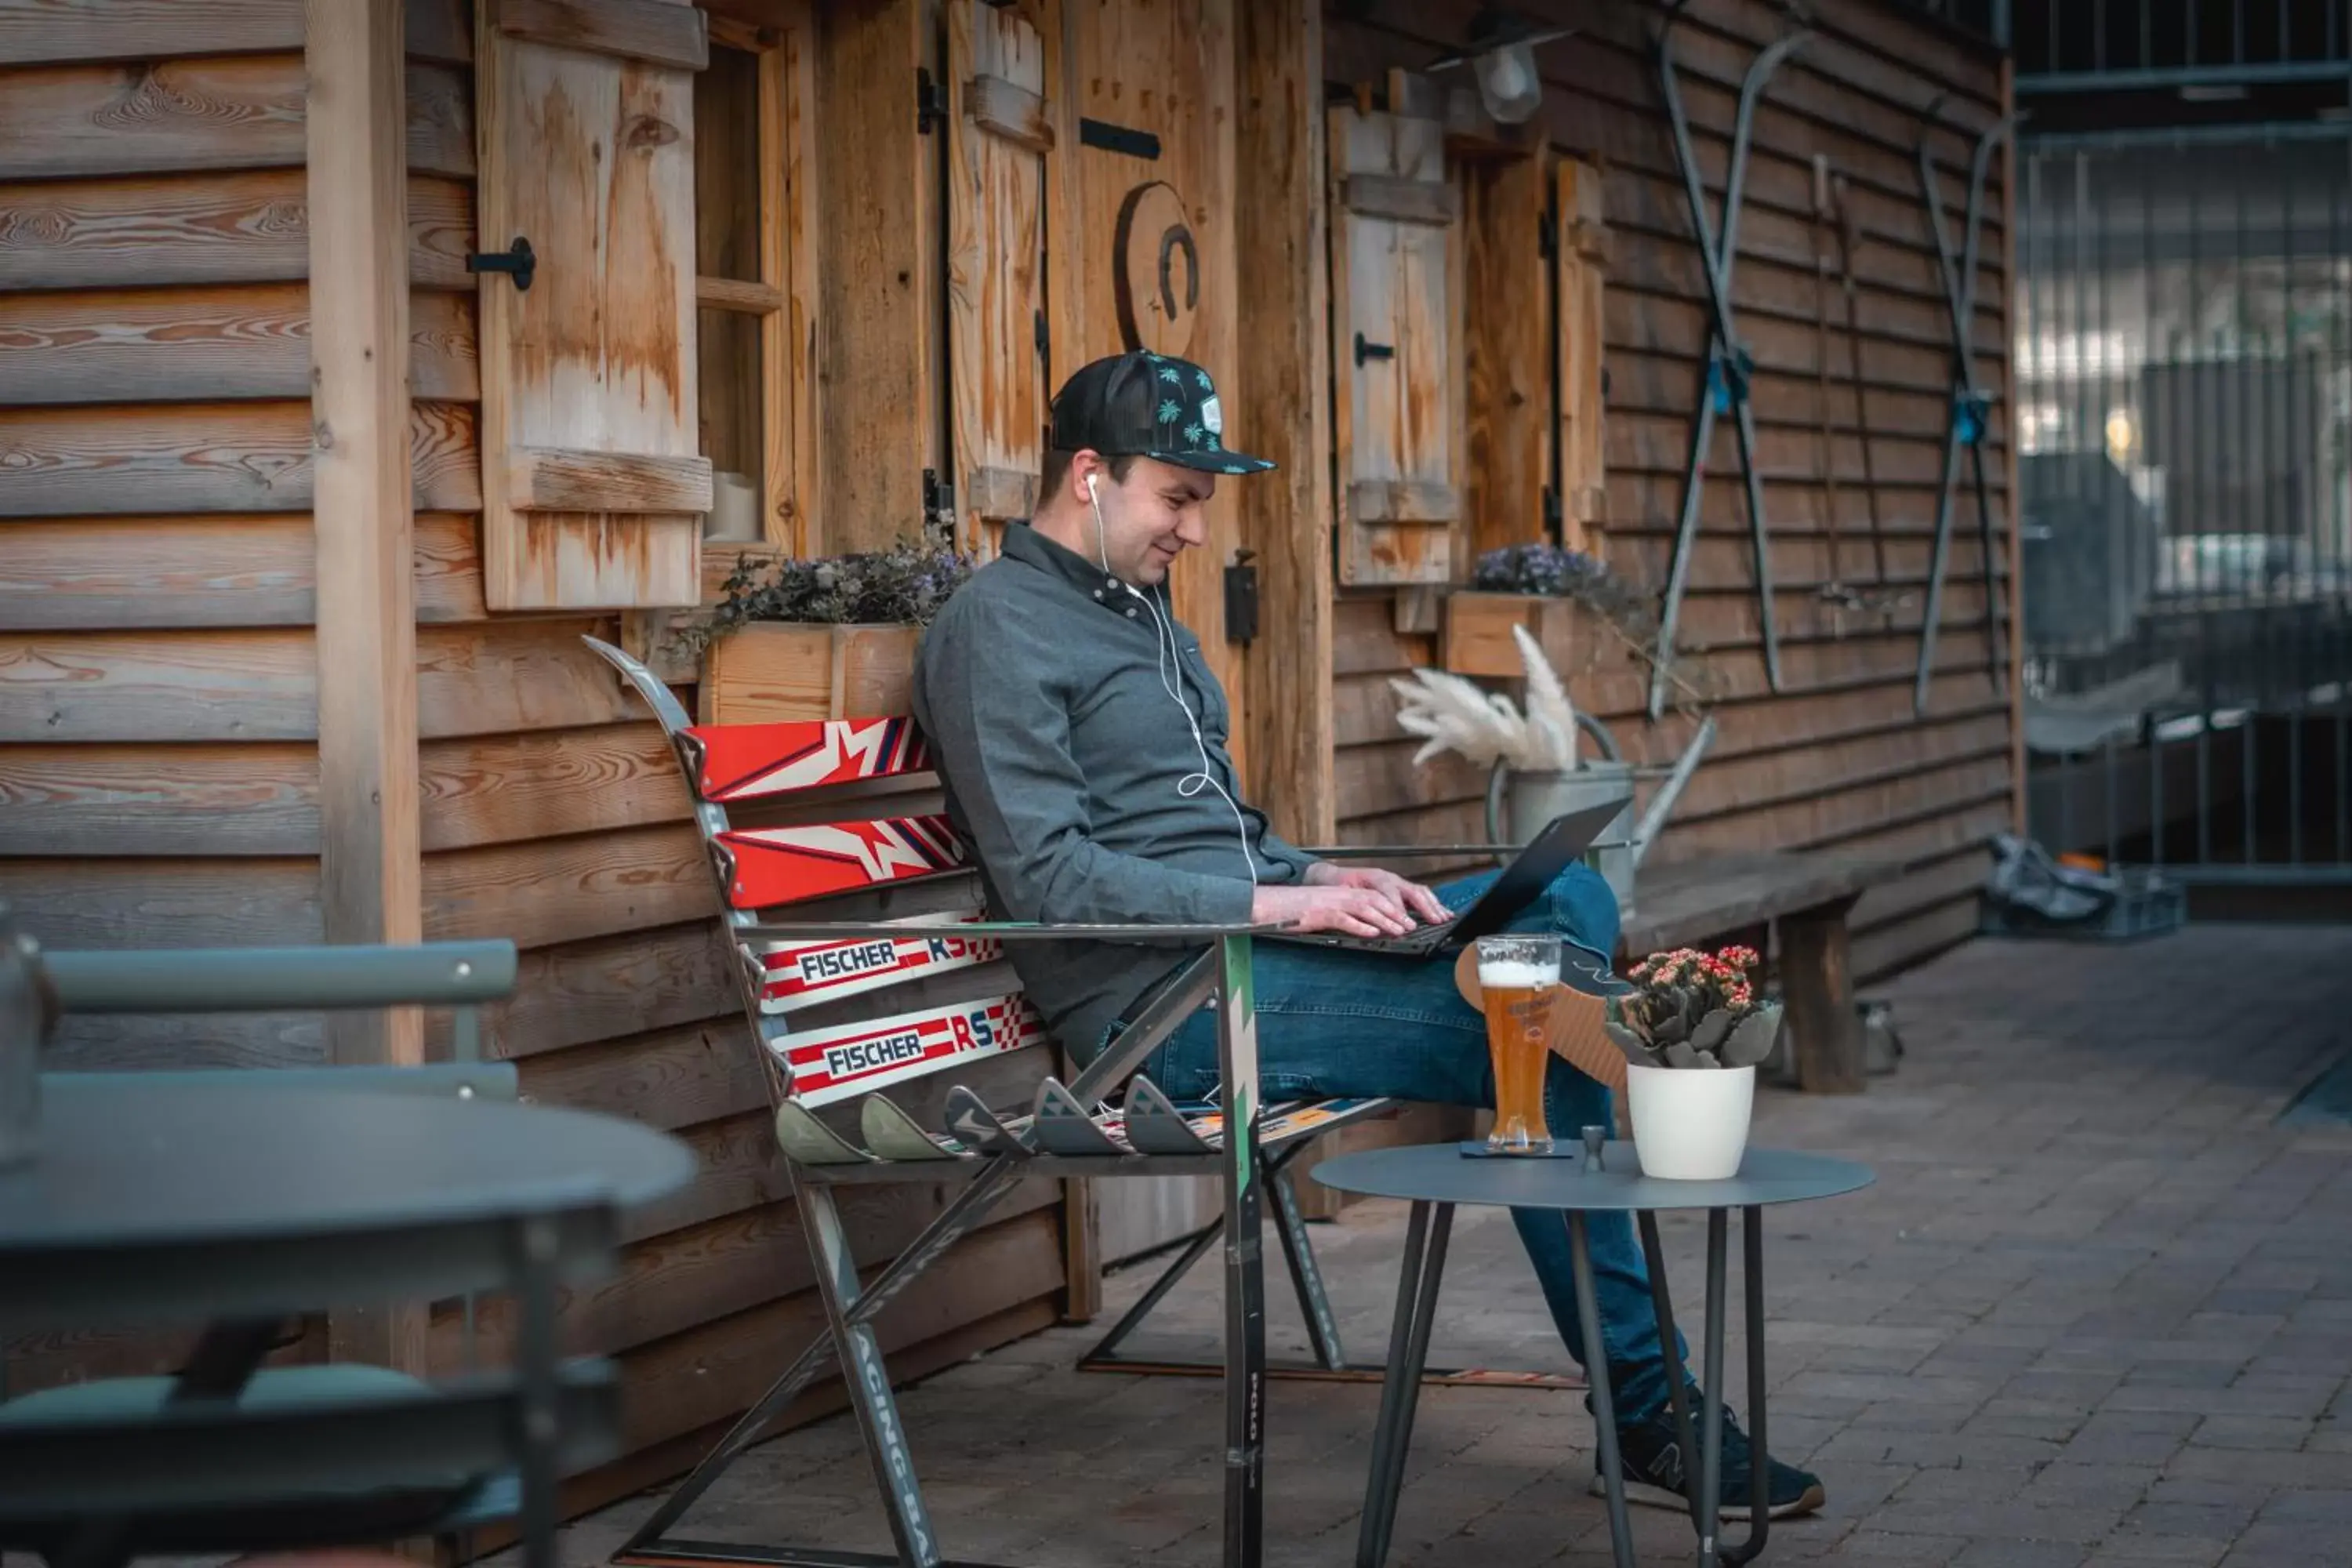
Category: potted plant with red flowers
[1692,1030]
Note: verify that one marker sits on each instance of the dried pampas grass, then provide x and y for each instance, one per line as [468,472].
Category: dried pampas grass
[1483,728]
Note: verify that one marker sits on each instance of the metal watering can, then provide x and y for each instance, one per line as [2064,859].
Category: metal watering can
[1517,804]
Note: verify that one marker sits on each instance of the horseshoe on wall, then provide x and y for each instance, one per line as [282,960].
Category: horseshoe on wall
[1169,240]
[1152,229]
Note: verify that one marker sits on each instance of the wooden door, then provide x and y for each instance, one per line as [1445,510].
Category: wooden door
[1147,149]
[1146,152]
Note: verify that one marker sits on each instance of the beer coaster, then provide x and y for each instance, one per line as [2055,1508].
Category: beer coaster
[1576,1035]
[1561,1149]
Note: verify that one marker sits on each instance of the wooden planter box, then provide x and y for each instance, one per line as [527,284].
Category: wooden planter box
[770,672]
[1478,640]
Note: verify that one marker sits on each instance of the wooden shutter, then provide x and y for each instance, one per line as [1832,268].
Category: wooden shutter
[1396,350]
[1583,256]
[999,134]
[593,484]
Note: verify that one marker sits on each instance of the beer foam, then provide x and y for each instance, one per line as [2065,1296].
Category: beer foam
[1517,975]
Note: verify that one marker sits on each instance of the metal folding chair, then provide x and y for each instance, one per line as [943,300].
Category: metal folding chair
[302,1416]
[792,970]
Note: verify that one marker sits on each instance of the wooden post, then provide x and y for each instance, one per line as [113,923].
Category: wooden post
[1282,384]
[1082,1264]
[1817,986]
[370,869]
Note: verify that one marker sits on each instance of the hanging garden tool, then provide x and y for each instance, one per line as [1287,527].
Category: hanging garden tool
[1838,593]
[1728,362]
[1971,408]
[1834,211]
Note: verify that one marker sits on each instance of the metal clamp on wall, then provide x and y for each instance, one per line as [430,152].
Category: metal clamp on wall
[1730,364]
[1972,410]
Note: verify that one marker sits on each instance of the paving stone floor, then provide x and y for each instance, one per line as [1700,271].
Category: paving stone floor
[2097,1309]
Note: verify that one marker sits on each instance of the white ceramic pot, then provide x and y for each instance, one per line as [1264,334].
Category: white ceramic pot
[1690,1124]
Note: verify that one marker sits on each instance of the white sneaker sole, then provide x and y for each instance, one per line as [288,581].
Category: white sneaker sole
[1650,1496]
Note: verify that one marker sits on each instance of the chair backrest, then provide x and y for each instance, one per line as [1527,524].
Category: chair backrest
[442,1080]
[841,819]
[461,975]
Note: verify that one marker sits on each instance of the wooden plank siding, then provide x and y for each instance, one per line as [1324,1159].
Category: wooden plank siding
[1838,758]
[160,768]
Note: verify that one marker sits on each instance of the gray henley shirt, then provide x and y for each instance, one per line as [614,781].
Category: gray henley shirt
[1044,688]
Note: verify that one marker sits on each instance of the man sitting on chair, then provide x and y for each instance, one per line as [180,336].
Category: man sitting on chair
[1082,740]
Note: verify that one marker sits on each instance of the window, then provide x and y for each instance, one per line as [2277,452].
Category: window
[754,287]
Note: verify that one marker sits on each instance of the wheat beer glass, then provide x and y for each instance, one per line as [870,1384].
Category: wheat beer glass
[1518,976]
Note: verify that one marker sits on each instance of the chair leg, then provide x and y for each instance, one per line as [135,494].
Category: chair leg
[1330,1363]
[964,1214]
[1104,1354]
[869,1380]
[1298,1251]
[1244,1259]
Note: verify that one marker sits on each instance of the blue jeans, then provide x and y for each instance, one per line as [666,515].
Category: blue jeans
[1334,1024]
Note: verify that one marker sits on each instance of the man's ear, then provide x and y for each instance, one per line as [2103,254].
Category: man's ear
[1085,463]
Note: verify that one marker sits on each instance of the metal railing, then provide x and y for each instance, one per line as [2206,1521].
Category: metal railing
[2207,50]
[2182,377]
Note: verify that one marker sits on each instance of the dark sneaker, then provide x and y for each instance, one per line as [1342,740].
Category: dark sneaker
[1652,1462]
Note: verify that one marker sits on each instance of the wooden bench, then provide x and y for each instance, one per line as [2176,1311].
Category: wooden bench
[1803,898]
[868,976]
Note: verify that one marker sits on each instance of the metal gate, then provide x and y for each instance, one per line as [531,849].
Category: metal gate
[2183,386]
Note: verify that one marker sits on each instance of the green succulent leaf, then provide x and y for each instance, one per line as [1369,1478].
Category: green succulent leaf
[1681,1055]
[1751,1042]
[1627,1041]
[1712,1030]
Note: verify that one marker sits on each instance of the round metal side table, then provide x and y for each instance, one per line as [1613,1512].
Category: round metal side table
[1601,1178]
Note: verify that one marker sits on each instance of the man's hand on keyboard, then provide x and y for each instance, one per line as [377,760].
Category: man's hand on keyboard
[1412,897]
[1351,912]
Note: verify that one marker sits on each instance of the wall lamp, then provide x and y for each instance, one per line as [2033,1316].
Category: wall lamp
[1501,52]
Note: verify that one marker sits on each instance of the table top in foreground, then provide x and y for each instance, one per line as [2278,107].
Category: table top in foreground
[309,1193]
[1441,1173]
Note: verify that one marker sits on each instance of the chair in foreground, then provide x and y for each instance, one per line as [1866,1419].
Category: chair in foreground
[210,1458]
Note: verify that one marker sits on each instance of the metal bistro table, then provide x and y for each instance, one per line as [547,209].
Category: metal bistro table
[1598,1178]
[147,1202]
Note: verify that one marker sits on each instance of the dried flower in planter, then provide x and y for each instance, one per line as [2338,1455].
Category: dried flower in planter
[1694,1009]
[1547,570]
[1485,727]
[1551,571]
[903,585]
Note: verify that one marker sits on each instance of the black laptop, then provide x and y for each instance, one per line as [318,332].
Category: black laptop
[1523,882]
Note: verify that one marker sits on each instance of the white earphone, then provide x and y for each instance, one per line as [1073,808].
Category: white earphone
[1166,651]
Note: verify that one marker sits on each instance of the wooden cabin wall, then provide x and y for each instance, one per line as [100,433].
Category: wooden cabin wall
[159,766]
[554,814]
[158,735]
[1837,760]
